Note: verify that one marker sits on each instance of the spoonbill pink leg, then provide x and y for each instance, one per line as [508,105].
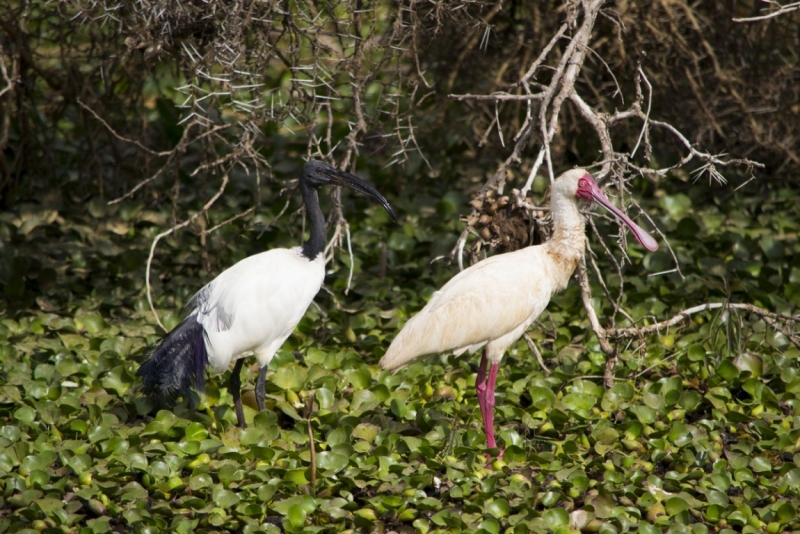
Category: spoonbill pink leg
[485,390]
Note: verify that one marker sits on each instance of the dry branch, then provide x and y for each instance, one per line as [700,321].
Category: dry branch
[686,314]
[562,60]
[778,10]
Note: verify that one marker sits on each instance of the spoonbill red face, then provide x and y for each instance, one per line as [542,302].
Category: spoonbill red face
[589,190]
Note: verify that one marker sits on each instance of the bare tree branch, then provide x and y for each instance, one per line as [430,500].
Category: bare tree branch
[781,10]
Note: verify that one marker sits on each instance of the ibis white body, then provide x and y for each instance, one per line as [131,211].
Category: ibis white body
[254,306]
[250,308]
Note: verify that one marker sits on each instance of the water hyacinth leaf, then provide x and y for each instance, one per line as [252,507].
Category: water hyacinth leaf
[490,526]
[760,465]
[618,394]
[251,436]
[296,516]
[359,378]
[644,414]
[363,401]
[325,398]
[366,431]
[556,518]
[289,377]
[11,433]
[225,498]
[542,398]
[98,433]
[786,513]
[749,362]
[399,408]
[727,370]
[579,401]
[498,508]
[696,353]
[25,414]
[304,502]
[80,463]
[675,505]
[331,461]
[195,432]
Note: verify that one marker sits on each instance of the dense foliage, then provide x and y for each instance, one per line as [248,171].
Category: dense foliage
[698,434]
[164,105]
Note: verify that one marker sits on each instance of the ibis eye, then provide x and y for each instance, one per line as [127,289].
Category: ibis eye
[582,183]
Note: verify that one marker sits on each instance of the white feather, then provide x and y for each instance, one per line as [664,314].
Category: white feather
[270,292]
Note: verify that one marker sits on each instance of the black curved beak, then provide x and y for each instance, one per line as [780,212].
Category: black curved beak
[355,183]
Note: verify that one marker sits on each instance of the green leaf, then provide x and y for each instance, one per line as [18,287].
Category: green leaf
[225,498]
[556,518]
[195,432]
[331,461]
[497,508]
[675,505]
[727,370]
[297,516]
[542,398]
[80,463]
[290,376]
[25,414]
[251,436]
[363,401]
[579,401]
[760,465]
[359,378]
[366,431]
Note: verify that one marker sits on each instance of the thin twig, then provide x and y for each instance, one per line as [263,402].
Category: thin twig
[600,332]
[686,314]
[535,351]
[164,234]
[782,10]
[312,449]
[498,97]
[121,137]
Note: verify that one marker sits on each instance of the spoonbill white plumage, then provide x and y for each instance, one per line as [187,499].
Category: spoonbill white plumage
[251,307]
[492,303]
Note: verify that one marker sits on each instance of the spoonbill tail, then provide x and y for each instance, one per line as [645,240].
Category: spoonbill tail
[492,303]
[250,308]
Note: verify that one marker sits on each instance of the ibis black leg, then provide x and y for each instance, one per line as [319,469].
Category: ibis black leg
[235,389]
[261,384]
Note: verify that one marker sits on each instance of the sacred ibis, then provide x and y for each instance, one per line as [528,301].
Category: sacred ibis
[492,303]
[251,307]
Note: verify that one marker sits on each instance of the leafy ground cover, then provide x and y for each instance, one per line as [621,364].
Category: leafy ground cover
[699,434]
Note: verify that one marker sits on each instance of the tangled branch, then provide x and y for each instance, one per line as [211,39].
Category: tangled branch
[562,62]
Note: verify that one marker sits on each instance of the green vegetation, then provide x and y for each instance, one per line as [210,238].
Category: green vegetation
[698,434]
[196,118]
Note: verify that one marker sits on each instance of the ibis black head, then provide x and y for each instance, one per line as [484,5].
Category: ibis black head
[316,173]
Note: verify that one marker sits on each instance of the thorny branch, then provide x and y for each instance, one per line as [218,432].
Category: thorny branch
[229,62]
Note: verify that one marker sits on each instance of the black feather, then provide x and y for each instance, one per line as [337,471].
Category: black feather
[175,363]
